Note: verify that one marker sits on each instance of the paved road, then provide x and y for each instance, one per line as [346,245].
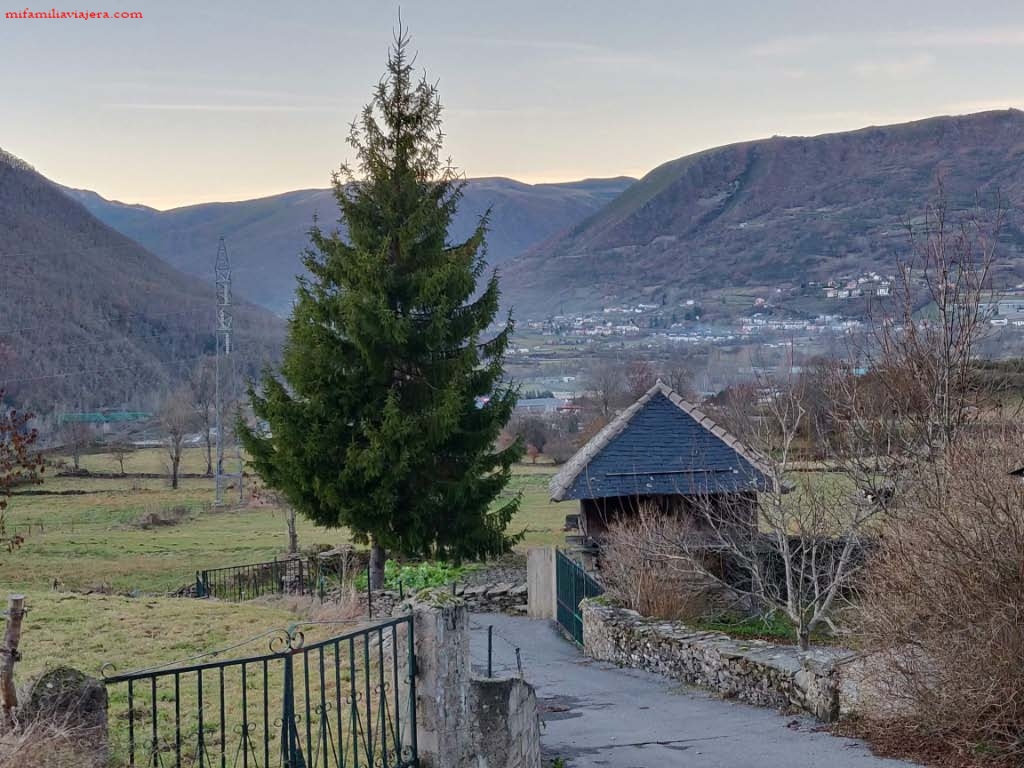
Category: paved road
[596,714]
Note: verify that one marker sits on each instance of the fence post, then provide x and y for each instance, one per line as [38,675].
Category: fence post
[289,737]
[9,654]
[490,649]
[369,593]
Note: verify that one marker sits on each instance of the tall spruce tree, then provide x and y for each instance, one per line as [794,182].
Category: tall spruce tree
[391,392]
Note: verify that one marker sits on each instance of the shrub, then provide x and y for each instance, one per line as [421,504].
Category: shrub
[49,745]
[415,576]
[162,517]
[559,450]
[942,613]
[637,575]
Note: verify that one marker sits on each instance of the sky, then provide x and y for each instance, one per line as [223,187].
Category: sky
[205,100]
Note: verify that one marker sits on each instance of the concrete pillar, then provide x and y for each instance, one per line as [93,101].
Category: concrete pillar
[506,724]
[542,597]
[464,722]
[441,632]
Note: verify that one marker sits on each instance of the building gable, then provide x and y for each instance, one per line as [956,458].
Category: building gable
[661,445]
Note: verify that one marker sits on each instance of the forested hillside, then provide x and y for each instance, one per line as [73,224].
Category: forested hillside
[782,210]
[89,318]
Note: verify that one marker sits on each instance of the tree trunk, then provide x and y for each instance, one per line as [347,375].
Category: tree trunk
[175,460]
[293,534]
[803,637]
[377,559]
[209,453]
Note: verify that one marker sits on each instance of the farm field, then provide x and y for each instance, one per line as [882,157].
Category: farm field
[95,570]
[134,633]
[116,635]
[90,533]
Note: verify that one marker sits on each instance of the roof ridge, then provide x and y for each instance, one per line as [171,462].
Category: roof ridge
[562,481]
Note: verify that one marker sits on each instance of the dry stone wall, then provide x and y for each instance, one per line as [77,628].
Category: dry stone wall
[752,671]
[502,597]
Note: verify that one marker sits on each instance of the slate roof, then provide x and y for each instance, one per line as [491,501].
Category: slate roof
[660,445]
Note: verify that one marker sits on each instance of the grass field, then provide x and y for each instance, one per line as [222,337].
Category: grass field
[84,534]
[91,538]
[116,635]
[89,631]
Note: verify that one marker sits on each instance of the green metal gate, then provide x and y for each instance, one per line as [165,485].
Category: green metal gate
[349,701]
[572,584]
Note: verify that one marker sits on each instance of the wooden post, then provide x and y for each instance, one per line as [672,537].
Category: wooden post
[9,655]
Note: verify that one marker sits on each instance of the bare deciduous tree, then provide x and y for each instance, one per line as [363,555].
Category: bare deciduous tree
[942,610]
[120,451]
[918,391]
[76,436]
[203,384]
[177,419]
[805,545]
[606,381]
[534,431]
[640,377]
[276,499]
[677,372]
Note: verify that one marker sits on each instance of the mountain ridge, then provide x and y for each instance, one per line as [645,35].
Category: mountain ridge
[268,234]
[89,317]
[768,211]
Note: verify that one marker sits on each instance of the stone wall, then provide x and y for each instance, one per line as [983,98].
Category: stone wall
[504,597]
[752,671]
[462,721]
[506,726]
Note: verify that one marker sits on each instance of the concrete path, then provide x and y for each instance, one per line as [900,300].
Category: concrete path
[596,714]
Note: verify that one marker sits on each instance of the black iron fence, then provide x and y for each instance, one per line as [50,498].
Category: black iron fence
[572,585]
[348,701]
[298,576]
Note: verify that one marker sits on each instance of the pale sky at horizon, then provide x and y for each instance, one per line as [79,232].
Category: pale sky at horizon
[200,101]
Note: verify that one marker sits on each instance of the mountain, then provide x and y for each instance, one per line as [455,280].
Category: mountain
[88,317]
[778,212]
[266,237]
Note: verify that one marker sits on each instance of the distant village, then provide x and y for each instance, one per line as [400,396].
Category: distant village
[685,323]
[867,284]
[654,323]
